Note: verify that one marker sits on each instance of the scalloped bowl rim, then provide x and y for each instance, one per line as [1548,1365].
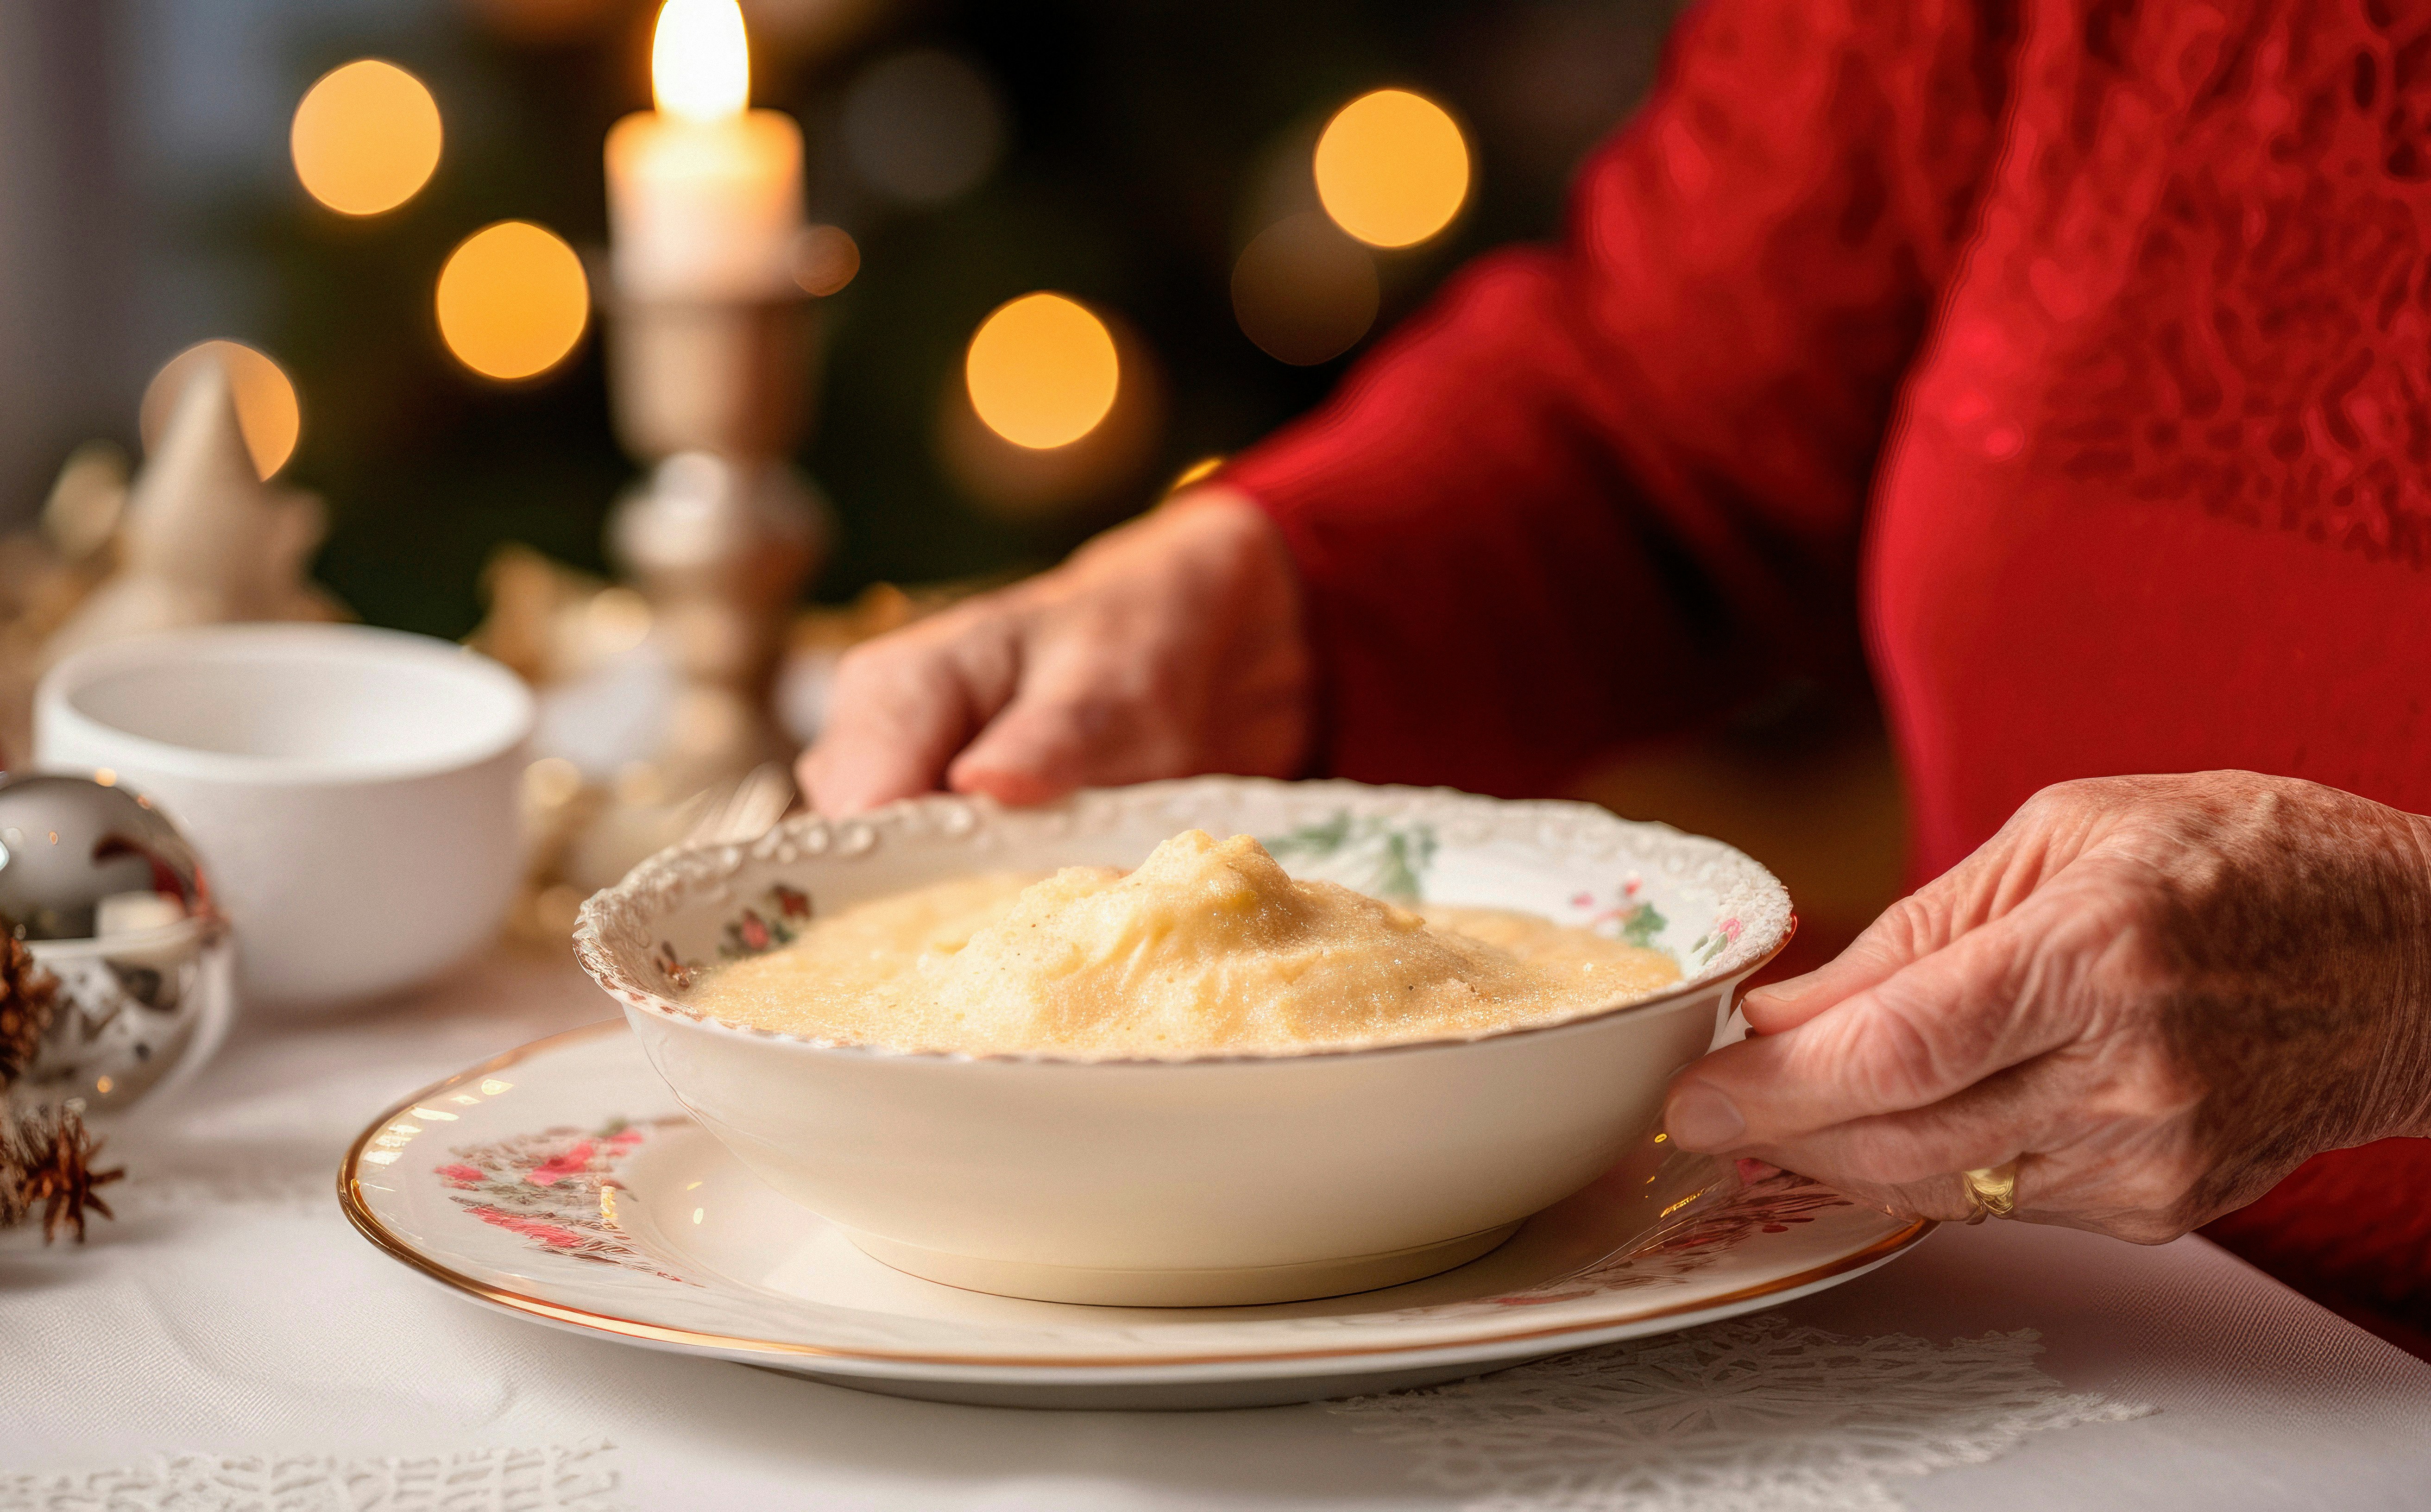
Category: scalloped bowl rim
[1744,955]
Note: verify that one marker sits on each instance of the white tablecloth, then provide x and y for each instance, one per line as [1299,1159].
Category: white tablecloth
[230,1341]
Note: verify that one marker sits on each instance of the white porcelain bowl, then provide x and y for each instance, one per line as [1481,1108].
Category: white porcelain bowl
[351,791]
[1191,1183]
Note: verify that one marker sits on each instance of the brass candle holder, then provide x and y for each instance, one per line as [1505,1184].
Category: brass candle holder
[714,396]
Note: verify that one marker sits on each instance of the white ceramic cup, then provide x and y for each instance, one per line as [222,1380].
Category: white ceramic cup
[351,791]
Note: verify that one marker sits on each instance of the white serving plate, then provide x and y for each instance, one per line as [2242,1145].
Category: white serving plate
[563,1183]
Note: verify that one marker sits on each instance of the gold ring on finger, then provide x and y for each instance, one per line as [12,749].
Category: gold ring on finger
[1991,1193]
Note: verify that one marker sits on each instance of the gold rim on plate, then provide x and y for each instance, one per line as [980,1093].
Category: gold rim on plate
[367,1223]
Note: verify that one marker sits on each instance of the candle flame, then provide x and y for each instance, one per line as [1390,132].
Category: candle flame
[700,61]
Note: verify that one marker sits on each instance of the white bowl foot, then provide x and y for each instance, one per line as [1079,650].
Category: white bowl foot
[1182,1289]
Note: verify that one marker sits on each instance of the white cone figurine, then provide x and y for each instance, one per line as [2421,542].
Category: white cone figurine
[204,540]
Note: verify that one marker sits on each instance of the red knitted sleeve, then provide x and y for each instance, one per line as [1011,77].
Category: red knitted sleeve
[1591,484]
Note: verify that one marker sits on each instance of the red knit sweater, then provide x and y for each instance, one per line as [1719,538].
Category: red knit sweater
[2077,350]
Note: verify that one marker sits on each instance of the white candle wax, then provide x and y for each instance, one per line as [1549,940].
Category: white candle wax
[704,209]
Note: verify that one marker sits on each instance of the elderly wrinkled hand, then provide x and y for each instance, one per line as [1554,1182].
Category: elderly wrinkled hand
[2158,995]
[1167,647]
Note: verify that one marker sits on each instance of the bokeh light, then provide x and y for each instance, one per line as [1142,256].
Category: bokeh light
[922,127]
[1092,480]
[512,300]
[1303,291]
[1392,168]
[266,409]
[826,258]
[700,60]
[1198,472]
[1042,371]
[366,138]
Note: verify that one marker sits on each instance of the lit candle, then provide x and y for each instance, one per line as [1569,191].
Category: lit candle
[704,193]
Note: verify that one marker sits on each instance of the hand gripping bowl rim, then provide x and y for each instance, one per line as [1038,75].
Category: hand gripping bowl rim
[622,917]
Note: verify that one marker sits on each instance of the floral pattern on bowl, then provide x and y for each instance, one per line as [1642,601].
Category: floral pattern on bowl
[1379,856]
[775,921]
[1709,907]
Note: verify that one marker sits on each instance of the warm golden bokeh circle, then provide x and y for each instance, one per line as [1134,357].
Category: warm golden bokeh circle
[512,300]
[266,410]
[1392,168]
[1042,371]
[366,137]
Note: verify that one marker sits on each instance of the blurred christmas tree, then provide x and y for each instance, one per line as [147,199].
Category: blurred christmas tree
[1121,151]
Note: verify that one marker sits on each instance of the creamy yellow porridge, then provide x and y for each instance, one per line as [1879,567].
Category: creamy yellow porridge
[1207,948]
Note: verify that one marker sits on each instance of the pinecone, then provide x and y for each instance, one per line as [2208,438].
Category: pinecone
[26,995]
[46,1162]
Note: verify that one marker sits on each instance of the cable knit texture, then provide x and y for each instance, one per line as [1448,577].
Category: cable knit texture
[2077,350]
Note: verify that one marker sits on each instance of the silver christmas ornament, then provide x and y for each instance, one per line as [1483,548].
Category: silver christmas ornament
[109,900]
